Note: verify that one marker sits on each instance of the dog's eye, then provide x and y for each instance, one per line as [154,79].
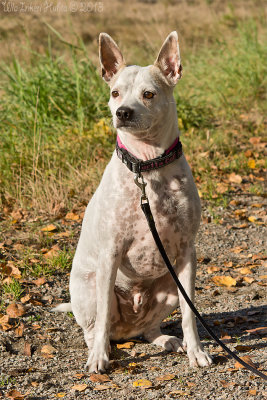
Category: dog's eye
[149,95]
[115,93]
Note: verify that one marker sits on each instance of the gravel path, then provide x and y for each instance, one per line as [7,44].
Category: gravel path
[224,249]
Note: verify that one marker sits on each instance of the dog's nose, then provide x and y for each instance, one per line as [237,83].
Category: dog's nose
[124,113]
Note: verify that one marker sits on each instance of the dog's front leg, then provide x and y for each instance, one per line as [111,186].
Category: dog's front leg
[186,274]
[98,359]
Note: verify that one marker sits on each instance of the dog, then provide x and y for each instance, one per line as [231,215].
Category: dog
[119,285]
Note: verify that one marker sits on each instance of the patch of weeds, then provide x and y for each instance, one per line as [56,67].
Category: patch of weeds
[39,269]
[13,289]
[70,314]
[63,260]
[7,380]
[256,189]
[34,318]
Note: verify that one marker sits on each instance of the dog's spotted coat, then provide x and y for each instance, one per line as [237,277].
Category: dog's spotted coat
[119,284]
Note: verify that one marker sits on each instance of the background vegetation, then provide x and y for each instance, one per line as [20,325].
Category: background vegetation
[55,128]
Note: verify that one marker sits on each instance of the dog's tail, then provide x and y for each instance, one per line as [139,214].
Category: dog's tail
[64,307]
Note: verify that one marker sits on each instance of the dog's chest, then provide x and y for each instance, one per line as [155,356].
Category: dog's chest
[173,216]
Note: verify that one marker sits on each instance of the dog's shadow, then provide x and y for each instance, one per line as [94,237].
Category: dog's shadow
[230,326]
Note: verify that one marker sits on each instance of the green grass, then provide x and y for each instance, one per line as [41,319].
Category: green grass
[55,127]
[14,290]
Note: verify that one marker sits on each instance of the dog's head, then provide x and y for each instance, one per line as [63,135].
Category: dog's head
[141,97]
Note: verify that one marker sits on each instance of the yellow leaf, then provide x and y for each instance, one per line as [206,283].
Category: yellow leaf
[252,218]
[72,216]
[200,193]
[248,279]
[127,345]
[212,269]
[49,228]
[224,281]
[143,383]
[244,271]
[251,163]
[62,394]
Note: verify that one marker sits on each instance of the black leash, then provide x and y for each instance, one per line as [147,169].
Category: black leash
[148,214]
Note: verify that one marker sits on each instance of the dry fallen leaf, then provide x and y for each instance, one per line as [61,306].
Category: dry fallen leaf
[221,187]
[80,387]
[244,271]
[49,228]
[34,384]
[61,394]
[234,178]
[79,376]
[100,378]
[15,310]
[19,330]
[228,264]
[72,216]
[11,270]
[262,331]
[127,345]
[27,349]
[253,392]
[248,360]
[242,347]
[52,252]
[47,351]
[26,298]
[224,281]
[251,163]
[179,393]
[248,279]
[212,269]
[102,387]
[15,395]
[143,383]
[168,377]
[39,281]
[252,218]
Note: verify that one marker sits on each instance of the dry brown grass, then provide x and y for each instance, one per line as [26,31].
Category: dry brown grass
[138,25]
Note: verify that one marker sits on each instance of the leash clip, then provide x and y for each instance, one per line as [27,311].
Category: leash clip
[142,186]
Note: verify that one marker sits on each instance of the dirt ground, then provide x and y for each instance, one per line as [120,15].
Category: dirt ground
[237,314]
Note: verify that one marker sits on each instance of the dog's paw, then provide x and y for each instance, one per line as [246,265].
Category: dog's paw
[169,343]
[98,361]
[198,357]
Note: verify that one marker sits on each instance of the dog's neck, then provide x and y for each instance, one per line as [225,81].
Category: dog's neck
[150,144]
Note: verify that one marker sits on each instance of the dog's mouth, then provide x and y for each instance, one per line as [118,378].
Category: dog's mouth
[136,126]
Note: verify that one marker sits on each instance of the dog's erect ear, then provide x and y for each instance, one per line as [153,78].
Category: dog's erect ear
[111,59]
[169,61]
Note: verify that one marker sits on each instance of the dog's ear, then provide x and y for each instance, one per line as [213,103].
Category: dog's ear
[169,60]
[111,59]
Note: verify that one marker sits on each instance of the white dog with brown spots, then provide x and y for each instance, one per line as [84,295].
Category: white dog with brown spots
[119,285]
